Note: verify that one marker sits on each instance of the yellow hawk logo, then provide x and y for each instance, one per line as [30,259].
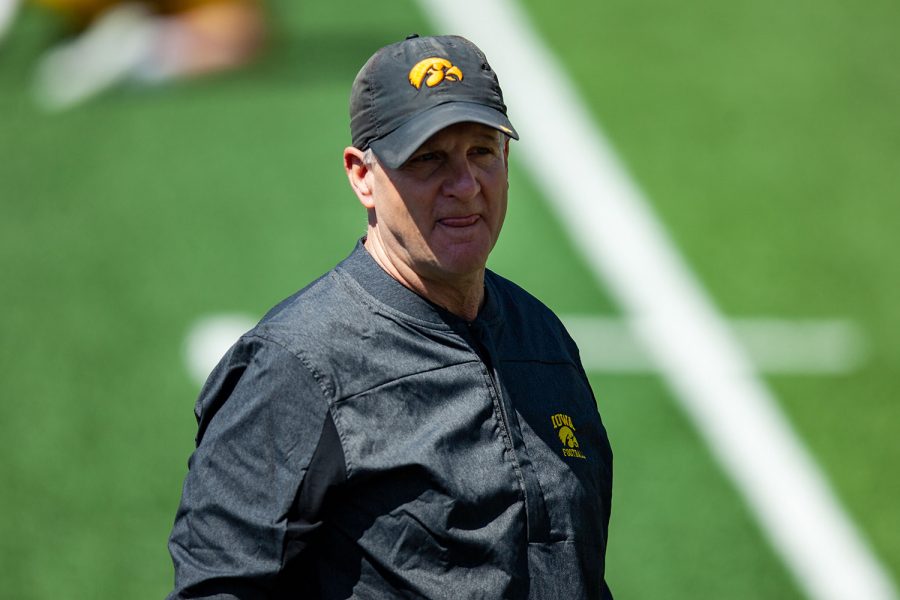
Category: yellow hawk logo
[567,437]
[433,71]
[565,429]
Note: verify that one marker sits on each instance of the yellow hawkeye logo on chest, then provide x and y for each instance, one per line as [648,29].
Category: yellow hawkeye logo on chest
[565,429]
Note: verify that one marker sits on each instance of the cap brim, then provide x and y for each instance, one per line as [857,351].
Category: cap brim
[395,148]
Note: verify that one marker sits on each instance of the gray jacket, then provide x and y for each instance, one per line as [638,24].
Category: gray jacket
[362,442]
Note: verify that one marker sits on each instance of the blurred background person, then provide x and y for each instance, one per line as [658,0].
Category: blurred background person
[110,42]
[8,9]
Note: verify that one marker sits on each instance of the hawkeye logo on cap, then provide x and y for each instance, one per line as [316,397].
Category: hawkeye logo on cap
[566,432]
[432,71]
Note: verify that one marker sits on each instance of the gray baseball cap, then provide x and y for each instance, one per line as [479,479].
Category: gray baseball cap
[410,90]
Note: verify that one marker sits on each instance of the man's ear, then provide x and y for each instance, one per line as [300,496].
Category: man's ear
[359,175]
[506,150]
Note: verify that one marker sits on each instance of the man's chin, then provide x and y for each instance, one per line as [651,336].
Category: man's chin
[460,264]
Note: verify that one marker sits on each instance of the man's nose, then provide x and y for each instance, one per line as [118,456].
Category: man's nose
[461,181]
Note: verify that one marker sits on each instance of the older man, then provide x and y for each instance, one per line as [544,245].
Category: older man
[410,424]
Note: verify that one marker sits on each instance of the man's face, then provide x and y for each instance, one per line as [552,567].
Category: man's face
[440,213]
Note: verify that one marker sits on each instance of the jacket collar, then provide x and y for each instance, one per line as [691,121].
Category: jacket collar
[375,281]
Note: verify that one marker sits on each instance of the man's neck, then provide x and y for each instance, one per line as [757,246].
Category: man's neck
[462,296]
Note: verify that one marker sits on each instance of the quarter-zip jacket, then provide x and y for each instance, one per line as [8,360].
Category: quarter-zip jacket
[363,442]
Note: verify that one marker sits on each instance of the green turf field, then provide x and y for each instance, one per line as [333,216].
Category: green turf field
[766,136]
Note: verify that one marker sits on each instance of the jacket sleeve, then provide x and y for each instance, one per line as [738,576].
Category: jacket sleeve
[244,512]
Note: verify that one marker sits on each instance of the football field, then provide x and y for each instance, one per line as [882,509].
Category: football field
[763,138]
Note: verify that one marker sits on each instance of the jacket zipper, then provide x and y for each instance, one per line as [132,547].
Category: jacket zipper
[537,519]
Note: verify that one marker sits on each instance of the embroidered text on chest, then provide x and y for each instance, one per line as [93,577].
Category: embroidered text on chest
[566,432]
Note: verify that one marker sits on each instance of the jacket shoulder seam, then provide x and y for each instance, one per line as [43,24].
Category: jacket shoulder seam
[326,390]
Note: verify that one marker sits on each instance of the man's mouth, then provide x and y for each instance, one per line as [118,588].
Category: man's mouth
[459,221]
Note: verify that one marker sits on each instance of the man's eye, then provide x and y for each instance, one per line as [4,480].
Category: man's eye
[424,157]
[481,150]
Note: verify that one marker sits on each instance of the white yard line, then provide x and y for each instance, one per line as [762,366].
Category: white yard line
[209,338]
[774,346]
[608,344]
[629,250]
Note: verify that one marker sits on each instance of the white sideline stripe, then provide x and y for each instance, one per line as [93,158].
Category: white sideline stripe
[608,344]
[209,339]
[773,345]
[626,247]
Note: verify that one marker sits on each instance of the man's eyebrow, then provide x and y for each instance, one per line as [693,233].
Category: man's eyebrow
[487,136]
[424,149]
[431,145]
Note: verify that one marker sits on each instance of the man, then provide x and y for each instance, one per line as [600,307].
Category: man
[410,424]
